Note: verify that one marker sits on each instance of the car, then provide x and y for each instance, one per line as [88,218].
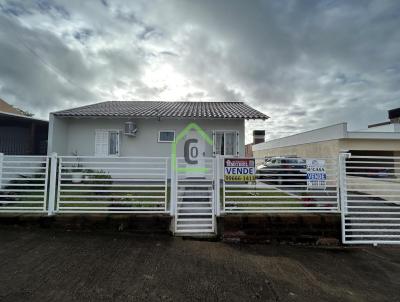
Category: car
[285,170]
[373,173]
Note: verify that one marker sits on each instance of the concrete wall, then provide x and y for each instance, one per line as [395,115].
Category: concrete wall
[395,127]
[328,133]
[370,144]
[321,149]
[77,135]
[331,148]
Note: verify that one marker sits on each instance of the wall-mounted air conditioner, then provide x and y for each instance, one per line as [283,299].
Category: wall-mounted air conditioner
[130,129]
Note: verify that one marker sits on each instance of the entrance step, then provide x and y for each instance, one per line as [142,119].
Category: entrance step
[194,209]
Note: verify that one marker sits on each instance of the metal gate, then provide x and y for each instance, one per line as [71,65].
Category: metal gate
[370,199]
[194,198]
[23,183]
[282,187]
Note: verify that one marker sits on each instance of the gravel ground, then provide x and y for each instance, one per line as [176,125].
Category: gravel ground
[49,265]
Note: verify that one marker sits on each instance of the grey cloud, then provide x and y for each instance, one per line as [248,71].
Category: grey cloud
[83,35]
[13,8]
[52,8]
[34,65]
[169,53]
[305,63]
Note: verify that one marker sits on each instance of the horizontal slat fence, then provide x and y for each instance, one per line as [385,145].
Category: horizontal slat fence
[112,185]
[369,189]
[23,183]
[371,205]
[282,189]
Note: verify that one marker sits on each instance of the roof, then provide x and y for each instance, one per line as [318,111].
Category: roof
[7,115]
[6,107]
[148,109]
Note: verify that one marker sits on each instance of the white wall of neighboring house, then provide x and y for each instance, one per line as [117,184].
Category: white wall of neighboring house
[70,135]
[395,127]
[329,141]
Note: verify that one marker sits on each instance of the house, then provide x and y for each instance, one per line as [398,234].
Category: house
[6,107]
[258,137]
[147,128]
[21,134]
[381,139]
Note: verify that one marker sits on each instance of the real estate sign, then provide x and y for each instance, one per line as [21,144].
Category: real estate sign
[239,169]
[316,174]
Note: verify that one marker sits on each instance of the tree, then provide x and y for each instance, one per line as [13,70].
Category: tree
[23,112]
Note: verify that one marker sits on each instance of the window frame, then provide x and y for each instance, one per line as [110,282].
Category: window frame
[233,132]
[236,137]
[108,131]
[118,142]
[162,141]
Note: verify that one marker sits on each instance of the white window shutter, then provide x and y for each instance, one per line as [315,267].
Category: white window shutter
[237,143]
[101,143]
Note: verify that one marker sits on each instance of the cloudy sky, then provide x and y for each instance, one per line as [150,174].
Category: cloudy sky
[304,63]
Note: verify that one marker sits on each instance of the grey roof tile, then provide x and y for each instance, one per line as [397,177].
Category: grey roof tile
[165,109]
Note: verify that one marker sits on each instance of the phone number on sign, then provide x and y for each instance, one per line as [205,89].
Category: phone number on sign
[239,177]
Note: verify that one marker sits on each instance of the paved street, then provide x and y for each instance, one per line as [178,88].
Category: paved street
[49,265]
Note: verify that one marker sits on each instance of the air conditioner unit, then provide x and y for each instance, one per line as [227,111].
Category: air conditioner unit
[130,129]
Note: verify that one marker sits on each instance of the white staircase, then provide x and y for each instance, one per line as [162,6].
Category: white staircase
[194,214]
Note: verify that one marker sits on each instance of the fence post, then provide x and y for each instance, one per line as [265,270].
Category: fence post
[173,188]
[343,181]
[217,185]
[343,191]
[52,184]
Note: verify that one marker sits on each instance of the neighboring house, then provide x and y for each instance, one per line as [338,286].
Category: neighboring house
[381,139]
[144,128]
[6,107]
[21,134]
[258,137]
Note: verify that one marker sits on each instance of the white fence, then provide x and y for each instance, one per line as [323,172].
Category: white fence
[282,186]
[112,185]
[23,183]
[365,189]
[371,200]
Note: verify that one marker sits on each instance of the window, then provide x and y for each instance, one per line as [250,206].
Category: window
[166,136]
[219,143]
[113,142]
[107,143]
[226,143]
[229,143]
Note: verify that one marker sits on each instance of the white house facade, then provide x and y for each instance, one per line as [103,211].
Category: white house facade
[149,128]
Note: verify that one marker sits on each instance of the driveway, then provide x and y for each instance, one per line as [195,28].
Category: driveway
[49,265]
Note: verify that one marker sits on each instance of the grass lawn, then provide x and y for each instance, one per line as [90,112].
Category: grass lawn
[243,197]
[121,197]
